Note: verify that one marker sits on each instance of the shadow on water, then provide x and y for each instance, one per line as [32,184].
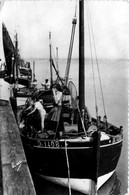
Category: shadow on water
[43,187]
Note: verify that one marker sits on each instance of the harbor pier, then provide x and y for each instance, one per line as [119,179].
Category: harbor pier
[16,177]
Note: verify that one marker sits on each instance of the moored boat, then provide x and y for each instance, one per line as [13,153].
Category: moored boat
[16,69]
[77,150]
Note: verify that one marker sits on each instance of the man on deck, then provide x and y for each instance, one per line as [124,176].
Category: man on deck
[42,111]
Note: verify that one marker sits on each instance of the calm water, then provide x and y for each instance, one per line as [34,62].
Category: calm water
[114,76]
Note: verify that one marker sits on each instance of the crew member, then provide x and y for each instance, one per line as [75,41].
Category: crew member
[55,113]
[42,111]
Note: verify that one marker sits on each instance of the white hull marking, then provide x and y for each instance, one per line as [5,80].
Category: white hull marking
[81,185]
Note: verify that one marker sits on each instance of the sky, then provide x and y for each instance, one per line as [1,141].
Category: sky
[34,19]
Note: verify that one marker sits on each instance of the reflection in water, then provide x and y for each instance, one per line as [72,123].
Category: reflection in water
[116,189]
[111,187]
[43,187]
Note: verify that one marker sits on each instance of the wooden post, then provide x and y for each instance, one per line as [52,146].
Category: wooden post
[16,177]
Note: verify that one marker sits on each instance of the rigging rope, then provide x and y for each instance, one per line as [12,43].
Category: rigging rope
[92,64]
[57,73]
[96,60]
[82,120]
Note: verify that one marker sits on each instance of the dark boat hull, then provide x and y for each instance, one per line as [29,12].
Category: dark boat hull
[49,158]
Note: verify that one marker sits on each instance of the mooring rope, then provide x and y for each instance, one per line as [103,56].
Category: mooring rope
[67,159]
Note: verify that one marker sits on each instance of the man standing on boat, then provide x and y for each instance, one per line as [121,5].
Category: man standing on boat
[55,113]
[42,111]
[46,84]
[35,113]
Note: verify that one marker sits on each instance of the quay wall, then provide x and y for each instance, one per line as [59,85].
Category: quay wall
[15,174]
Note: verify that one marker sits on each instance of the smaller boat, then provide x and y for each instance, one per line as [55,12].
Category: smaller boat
[16,69]
[25,73]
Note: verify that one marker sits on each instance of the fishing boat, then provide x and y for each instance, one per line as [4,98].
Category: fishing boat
[78,151]
[16,69]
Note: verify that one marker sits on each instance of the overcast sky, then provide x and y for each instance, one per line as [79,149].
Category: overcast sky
[33,20]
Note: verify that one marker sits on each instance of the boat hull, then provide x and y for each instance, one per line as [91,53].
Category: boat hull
[49,160]
[85,186]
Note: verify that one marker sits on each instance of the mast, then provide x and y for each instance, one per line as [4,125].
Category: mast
[34,71]
[16,64]
[57,60]
[81,61]
[74,22]
[51,75]
[16,46]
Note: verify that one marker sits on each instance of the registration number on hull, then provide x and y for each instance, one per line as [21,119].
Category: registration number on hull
[49,144]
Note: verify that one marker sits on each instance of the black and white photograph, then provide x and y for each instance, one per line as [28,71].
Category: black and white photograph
[64,97]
